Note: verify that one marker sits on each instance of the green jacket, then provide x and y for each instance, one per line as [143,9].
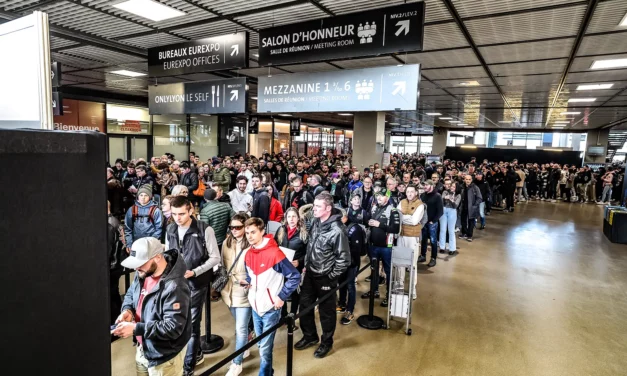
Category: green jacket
[218,216]
[223,179]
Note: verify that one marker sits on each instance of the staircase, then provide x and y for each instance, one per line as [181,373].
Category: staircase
[615,142]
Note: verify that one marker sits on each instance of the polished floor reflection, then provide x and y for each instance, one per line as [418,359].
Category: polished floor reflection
[540,292]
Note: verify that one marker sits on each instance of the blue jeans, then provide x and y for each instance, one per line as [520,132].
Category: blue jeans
[384,254]
[482,213]
[607,192]
[430,231]
[242,317]
[447,222]
[193,346]
[263,323]
[349,302]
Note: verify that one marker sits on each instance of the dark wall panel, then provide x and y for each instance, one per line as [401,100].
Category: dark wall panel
[227,143]
[507,155]
[54,269]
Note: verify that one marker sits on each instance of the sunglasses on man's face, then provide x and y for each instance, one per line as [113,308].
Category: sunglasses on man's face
[236,227]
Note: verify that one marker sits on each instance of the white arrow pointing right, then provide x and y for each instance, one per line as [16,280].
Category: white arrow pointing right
[234,95]
[400,86]
[235,50]
[404,25]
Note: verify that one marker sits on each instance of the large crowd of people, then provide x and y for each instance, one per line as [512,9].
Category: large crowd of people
[196,230]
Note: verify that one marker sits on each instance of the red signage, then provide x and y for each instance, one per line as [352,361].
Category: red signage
[131,126]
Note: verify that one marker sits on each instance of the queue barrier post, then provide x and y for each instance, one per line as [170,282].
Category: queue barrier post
[370,321]
[290,343]
[210,343]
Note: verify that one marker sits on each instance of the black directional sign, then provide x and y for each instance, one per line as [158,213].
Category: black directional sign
[295,127]
[55,74]
[57,103]
[406,134]
[203,55]
[225,96]
[380,31]
[253,125]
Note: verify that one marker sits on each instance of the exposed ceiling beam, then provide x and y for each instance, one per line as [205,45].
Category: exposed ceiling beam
[326,10]
[80,37]
[218,14]
[573,53]
[451,8]
[34,6]
[220,18]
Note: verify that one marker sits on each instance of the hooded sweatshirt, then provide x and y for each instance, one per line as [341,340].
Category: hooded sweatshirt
[266,269]
[240,201]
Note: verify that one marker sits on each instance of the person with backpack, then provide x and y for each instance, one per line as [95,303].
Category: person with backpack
[196,242]
[435,210]
[358,245]
[316,185]
[117,254]
[143,219]
[413,218]
[384,224]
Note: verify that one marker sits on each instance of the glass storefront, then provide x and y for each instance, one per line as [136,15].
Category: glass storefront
[411,144]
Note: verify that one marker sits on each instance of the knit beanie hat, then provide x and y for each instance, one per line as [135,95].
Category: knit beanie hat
[147,189]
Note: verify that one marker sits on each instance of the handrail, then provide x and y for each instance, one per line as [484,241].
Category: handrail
[281,322]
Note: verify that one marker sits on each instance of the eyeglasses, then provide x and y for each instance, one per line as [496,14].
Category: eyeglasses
[236,227]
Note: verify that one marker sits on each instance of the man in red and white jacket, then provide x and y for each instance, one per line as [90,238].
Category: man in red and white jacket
[271,279]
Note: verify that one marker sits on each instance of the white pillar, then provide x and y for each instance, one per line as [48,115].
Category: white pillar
[439,140]
[368,138]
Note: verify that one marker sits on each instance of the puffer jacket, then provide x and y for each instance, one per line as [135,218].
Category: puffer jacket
[222,178]
[165,325]
[328,250]
[143,226]
[233,294]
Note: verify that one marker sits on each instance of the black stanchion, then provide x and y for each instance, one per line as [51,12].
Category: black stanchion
[370,321]
[210,343]
[127,280]
[290,344]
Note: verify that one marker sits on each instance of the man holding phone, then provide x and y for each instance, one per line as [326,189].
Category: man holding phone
[156,309]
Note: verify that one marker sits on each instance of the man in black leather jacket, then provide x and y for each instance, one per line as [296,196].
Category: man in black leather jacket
[328,257]
[189,178]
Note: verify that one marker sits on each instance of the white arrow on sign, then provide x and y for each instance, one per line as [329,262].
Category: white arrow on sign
[404,25]
[235,50]
[234,95]
[400,86]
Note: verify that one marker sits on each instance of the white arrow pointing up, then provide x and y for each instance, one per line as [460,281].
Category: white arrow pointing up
[404,25]
[400,86]
[234,95]
[236,49]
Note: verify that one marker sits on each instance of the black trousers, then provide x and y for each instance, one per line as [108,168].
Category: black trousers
[509,197]
[552,190]
[468,224]
[565,191]
[295,297]
[314,287]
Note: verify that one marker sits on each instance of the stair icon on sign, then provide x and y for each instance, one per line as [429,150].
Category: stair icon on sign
[366,32]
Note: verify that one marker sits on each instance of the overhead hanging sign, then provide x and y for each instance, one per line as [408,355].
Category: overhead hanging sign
[380,31]
[226,96]
[55,73]
[373,89]
[253,125]
[405,134]
[57,104]
[203,55]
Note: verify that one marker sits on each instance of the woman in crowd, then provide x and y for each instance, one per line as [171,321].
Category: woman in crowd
[276,209]
[451,201]
[234,294]
[293,235]
[608,181]
[180,190]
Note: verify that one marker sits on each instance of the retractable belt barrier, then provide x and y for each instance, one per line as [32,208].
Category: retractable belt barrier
[289,320]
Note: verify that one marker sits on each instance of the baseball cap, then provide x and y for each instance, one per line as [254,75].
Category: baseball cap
[142,250]
[382,192]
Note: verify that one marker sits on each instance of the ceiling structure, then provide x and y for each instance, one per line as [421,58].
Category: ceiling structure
[507,64]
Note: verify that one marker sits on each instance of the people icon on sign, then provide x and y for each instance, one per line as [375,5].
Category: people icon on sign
[366,32]
[364,89]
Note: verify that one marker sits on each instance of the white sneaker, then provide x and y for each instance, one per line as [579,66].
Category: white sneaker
[246,353]
[234,370]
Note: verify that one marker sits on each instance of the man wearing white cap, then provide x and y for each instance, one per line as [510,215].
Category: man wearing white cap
[156,309]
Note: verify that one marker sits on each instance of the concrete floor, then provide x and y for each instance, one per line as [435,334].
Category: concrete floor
[540,292]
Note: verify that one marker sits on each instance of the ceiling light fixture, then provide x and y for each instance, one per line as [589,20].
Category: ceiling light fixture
[469,146]
[149,9]
[576,100]
[505,121]
[345,114]
[610,63]
[570,113]
[433,114]
[284,115]
[454,121]
[255,98]
[256,55]
[553,150]
[594,87]
[394,124]
[462,124]
[558,125]
[469,83]
[399,65]
[128,73]
[446,118]
[562,121]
